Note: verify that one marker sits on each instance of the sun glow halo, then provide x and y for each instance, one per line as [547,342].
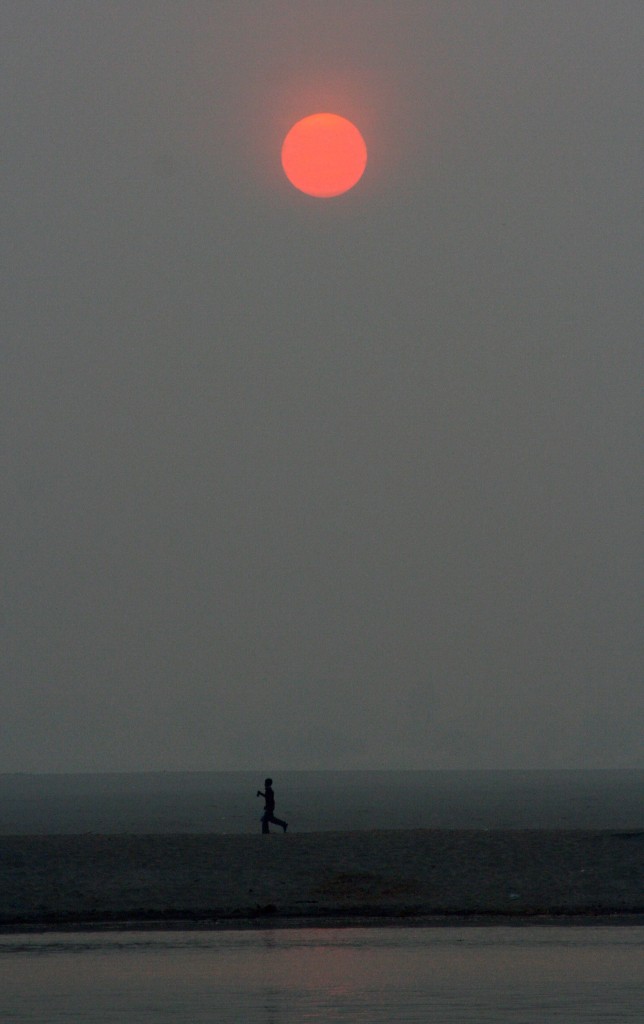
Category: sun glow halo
[324,155]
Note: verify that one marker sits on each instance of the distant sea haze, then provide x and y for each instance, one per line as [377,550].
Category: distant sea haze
[226,802]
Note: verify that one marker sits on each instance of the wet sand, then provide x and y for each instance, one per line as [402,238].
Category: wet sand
[453,875]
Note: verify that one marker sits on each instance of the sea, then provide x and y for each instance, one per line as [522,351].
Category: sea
[319,801]
[523,974]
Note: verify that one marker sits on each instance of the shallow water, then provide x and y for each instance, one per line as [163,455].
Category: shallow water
[503,975]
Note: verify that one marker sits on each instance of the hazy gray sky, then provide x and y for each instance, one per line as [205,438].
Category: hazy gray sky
[305,483]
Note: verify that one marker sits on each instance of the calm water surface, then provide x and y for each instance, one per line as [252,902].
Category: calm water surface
[226,802]
[364,975]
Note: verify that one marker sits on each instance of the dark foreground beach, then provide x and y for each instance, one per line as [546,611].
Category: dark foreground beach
[350,877]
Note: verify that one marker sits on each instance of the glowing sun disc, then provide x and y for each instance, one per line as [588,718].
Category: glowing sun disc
[324,155]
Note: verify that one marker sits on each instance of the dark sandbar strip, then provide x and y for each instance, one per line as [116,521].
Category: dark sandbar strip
[423,877]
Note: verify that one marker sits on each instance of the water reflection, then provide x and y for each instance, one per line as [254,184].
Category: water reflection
[500,975]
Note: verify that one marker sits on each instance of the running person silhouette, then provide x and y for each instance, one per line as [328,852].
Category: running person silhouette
[269,807]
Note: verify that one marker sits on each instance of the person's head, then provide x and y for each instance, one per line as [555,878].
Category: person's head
[268,782]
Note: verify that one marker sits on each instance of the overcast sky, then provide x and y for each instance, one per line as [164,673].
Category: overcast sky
[303,483]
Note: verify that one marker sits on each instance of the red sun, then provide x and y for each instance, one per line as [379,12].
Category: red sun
[324,155]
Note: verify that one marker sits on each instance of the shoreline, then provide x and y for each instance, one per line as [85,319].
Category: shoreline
[428,878]
[332,922]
